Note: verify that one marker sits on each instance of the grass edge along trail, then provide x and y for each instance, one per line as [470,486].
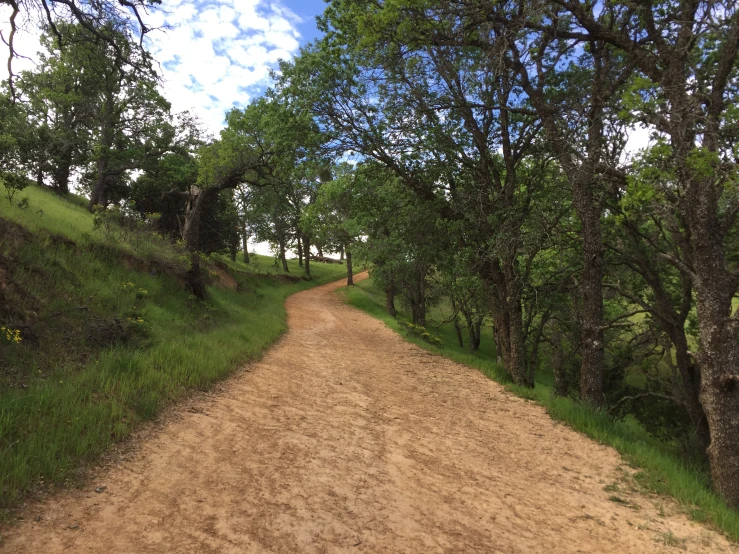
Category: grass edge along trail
[72,399]
[659,470]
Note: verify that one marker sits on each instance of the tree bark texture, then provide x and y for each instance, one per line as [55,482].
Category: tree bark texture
[306,253]
[349,274]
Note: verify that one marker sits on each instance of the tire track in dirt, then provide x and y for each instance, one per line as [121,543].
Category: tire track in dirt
[345,438]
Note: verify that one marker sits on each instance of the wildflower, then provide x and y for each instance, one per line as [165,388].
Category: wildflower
[11,335]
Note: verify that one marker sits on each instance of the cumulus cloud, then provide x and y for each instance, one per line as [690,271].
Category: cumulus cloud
[213,54]
[217,55]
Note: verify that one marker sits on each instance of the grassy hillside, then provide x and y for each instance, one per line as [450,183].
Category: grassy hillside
[660,467]
[109,334]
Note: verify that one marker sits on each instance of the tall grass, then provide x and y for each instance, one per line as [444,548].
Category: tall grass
[65,399]
[660,468]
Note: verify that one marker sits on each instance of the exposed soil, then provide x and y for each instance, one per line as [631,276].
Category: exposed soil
[345,438]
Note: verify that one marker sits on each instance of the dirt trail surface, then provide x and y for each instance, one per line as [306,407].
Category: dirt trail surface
[345,438]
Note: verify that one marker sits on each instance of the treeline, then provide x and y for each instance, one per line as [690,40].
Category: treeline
[476,154]
[494,172]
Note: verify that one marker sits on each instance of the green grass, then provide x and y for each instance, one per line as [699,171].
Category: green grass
[66,396]
[660,468]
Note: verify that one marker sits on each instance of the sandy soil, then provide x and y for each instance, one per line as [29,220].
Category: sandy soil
[344,438]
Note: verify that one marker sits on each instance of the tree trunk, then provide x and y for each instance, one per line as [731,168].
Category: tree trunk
[245,241]
[300,252]
[341,253]
[100,194]
[691,385]
[474,325]
[471,337]
[193,212]
[478,332]
[591,292]
[455,321]
[561,384]
[421,307]
[306,253]
[498,345]
[60,174]
[349,275]
[390,298]
[719,334]
[283,259]
[508,320]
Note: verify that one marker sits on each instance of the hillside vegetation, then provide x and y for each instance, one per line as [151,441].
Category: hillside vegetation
[556,180]
[109,333]
[661,467]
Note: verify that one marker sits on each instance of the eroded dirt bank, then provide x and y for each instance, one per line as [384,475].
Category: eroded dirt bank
[344,438]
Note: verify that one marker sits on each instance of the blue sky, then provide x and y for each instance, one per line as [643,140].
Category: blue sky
[307,10]
[217,53]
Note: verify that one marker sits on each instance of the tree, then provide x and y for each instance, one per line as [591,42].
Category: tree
[62,99]
[15,136]
[95,16]
[332,219]
[686,57]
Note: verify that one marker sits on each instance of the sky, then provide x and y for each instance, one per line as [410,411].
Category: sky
[213,54]
[217,54]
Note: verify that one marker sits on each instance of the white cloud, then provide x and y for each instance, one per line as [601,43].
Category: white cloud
[218,54]
[213,55]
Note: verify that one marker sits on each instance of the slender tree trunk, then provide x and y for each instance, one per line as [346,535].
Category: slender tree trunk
[300,251]
[498,344]
[561,383]
[349,274]
[422,299]
[478,332]
[283,259]
[473,340]
[306,253]
[471,337]
[508,320]
[245,241]
[341,253]
[691,384]
[390,298]
[320,252]
[455,321]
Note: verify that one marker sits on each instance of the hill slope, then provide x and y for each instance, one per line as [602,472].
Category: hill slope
[102,332]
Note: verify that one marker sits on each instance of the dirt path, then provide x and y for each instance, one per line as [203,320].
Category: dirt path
[344,438]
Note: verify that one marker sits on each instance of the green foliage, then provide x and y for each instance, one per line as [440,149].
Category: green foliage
[67,397]
[662,470]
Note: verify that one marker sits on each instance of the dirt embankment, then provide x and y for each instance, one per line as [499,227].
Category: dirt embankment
[344,438]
